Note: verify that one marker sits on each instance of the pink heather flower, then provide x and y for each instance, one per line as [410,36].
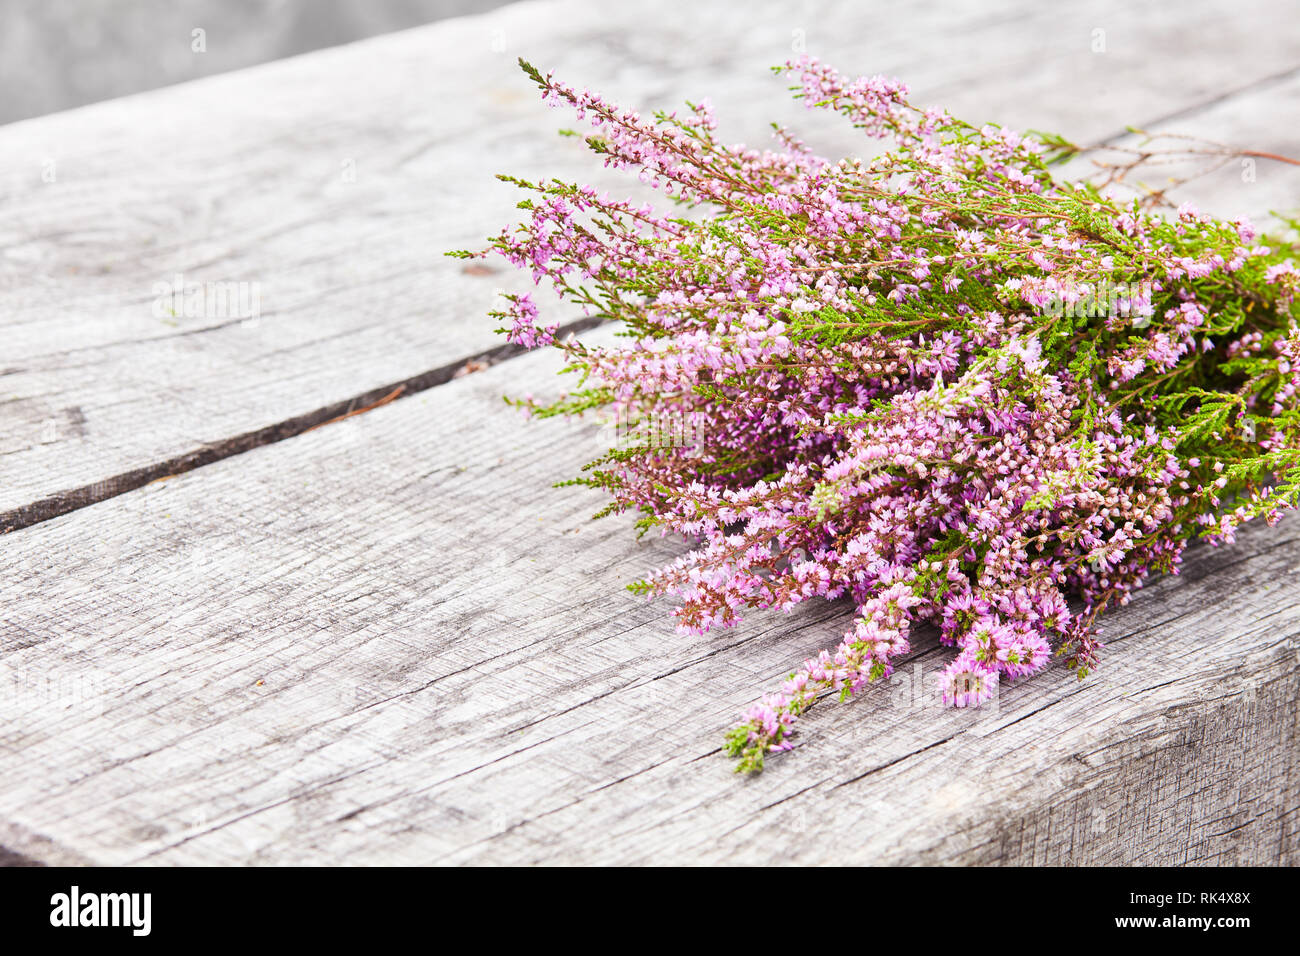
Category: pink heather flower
[1274,273]
[1021,653]
[525,330]
[909,384]
[967,683]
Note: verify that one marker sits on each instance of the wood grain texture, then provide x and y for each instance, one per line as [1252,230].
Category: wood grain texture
[331,184]
[387,640]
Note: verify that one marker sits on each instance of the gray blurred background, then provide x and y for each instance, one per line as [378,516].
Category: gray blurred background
[57,54]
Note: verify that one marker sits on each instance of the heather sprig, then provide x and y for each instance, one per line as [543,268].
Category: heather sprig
[938,382]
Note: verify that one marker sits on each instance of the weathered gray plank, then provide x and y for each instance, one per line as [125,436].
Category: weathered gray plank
[1253,119]
[450,672]
[247,178]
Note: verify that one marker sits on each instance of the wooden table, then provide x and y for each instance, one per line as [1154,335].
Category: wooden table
[387,640]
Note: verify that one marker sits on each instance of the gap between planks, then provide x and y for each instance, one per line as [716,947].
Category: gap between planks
[74,499]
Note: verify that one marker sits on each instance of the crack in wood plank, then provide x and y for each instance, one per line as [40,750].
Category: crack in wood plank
[74,499]
[1246,89]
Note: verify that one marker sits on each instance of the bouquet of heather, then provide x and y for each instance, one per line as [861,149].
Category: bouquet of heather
[938,383]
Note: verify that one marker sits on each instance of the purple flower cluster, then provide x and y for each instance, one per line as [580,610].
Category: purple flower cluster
[885,406]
